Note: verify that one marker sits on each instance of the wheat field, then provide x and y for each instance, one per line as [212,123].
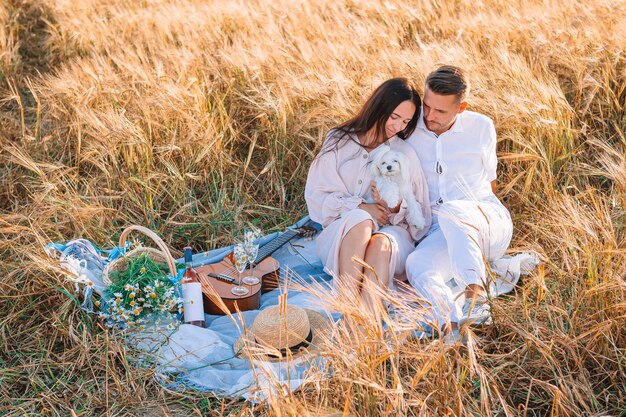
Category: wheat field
[196,117]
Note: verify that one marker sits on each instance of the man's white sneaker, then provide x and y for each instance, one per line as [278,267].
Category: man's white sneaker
[476,312]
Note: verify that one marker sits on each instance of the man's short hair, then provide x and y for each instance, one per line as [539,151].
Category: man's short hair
[449,80]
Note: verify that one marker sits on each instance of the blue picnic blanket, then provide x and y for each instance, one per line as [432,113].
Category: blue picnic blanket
[204,360]
[189,357]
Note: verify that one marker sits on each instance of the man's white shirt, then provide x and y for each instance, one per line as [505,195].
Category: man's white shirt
[460,163]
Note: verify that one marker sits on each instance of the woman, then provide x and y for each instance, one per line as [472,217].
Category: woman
[339,181]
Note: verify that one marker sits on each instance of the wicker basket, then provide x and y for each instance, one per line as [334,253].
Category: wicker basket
[121,263]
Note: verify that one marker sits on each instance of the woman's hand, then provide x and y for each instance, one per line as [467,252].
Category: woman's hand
[377,211]
[376,195]
[378,200]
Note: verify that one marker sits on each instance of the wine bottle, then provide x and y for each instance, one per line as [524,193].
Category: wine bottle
[192,293]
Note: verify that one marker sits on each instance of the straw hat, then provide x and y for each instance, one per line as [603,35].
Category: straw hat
[278,330]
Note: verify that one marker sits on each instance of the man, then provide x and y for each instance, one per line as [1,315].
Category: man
[457,150]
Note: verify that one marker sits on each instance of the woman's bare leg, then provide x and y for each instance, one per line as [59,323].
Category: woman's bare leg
[353,244]
[378,256]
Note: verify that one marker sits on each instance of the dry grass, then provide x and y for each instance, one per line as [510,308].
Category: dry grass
[194,117]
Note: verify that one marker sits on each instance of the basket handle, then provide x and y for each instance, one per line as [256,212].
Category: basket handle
[171,263]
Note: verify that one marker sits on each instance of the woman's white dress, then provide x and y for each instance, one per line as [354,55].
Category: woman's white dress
[339,180]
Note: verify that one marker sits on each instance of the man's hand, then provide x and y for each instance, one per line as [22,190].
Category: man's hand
[377,211]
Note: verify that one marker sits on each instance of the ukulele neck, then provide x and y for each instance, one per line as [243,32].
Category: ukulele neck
[274,245]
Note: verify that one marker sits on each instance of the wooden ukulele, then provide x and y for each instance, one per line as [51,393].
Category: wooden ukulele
[218,279]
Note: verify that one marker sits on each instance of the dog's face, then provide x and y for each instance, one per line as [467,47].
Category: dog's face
[390,164]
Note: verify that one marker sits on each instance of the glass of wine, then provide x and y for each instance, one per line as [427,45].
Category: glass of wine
[252,251]
[240,258]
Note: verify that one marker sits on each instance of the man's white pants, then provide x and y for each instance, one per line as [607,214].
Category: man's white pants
[464,235]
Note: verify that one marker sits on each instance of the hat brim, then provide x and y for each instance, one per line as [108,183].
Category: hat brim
[246,346]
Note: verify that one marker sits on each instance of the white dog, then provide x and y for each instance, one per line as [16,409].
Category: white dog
[390,170]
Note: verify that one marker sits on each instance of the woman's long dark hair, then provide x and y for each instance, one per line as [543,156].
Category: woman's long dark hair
[375,112]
